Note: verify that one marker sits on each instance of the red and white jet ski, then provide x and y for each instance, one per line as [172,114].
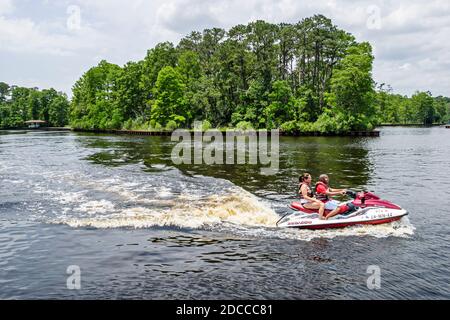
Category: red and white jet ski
[366,208]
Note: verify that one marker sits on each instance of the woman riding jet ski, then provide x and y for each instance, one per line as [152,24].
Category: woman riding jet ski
[365,208]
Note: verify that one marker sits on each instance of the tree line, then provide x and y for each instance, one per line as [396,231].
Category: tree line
[19,104]
[307,76]
[421,108]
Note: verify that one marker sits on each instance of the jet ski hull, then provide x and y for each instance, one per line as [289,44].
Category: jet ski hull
[374,211]
[334,224]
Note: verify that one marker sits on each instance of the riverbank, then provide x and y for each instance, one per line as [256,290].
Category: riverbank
[39,129]
[410,125]
[374,133]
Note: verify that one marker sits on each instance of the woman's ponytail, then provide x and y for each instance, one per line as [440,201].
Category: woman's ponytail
[303,177]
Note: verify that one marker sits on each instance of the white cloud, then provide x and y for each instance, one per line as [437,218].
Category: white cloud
[23,35]
[6,7]
[412,51]
[27,36]
[405,66]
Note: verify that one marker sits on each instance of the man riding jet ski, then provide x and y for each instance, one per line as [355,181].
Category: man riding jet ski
[365,208]
[324,193]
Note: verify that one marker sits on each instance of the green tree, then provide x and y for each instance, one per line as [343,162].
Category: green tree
[352,91]
[58,110]
[309,75]
[4,105]
[282,107]
[34,105]
[254,102]
[130,93]
[46,98]
[93,104]
[206,102]
[423,106]
[189,68]
[319,46]
[442,107]
[242,58]
[163,55]
[19,106]
[262,38]
[4,91]
[170,103]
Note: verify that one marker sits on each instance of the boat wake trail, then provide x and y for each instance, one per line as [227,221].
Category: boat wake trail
[85,195]
[173,200]
[238,207]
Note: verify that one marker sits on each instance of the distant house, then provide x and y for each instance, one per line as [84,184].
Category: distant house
[34,124]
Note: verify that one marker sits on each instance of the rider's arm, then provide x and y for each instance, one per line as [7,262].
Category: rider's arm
[328,191]
[335,192]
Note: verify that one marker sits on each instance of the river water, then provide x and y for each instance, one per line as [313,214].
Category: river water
[139,227]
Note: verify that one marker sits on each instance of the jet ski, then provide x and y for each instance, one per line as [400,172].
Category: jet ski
[365,208]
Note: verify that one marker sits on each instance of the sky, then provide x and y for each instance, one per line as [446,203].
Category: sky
[49,43]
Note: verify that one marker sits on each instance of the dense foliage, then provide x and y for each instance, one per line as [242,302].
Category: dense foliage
[308,76]
[18,104]
[259,75]
[421,108]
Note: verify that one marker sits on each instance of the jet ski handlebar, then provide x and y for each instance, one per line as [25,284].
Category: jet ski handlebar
[352,194]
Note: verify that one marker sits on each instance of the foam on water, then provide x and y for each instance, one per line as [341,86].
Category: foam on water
[402,229]
[164,192]
[236,211]
[93,207]
[126,197]
[238,208]
[64,197]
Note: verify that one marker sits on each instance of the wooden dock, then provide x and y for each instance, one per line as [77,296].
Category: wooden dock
[374,133]
[129,132]
[55,129]
[409,125]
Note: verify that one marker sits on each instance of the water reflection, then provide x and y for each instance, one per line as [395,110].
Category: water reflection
[155,222]
[345,160]
[191,241]
[222,249]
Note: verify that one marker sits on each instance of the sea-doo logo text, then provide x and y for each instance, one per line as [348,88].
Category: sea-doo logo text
[299,223]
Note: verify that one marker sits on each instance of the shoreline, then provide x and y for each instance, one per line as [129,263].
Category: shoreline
[373,133]
[410,125]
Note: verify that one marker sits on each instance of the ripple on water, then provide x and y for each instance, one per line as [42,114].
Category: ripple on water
[207,229]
